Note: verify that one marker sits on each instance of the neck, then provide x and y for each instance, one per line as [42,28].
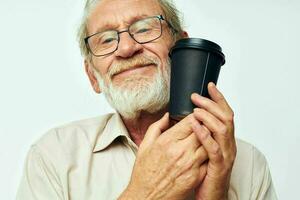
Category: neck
[137,128]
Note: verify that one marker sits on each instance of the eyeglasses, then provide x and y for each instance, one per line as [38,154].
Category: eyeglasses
[142,31]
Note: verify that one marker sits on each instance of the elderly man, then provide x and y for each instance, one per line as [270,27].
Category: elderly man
[138,152]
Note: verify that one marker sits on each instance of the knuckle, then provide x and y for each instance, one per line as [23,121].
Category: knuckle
[223,130]
[162,142]
[174,152]
[217,153]
[215,149]
[230,116]
[190,121]
[230,158]
[191,178]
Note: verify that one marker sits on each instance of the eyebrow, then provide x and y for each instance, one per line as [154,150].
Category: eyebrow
[108,26]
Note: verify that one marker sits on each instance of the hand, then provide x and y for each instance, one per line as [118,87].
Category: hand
[168,163]
[216,134]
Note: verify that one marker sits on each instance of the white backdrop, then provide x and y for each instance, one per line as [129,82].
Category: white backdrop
[43,84]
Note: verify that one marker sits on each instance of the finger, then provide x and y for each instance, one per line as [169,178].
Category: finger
[202,172]
[190,143]
[201,155]
[212,148]
[182,129]
[201,177]
[223,126]
[217,105]
[209,105]
[155,130]
[228,152]
[217,96]
[222,134]
[210,121]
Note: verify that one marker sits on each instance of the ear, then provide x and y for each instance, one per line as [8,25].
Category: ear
[90,72]
[184,34]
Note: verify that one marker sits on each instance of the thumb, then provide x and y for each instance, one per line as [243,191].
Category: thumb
[155,130]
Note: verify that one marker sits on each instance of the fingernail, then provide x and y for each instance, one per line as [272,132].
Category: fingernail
[166,115]
[194,95]
[196,109]
[211,84]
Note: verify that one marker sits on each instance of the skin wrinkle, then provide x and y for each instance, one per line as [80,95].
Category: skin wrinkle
[164,179]
[109,26]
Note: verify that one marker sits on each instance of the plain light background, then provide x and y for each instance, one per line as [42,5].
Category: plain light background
[43,84]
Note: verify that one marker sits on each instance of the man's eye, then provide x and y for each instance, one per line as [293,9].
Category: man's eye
[143,30]
[108,40]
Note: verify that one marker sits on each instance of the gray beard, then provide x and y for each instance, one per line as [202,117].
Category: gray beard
[137,94]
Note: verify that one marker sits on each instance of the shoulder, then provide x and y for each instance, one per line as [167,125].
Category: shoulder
[248,154]
[71,136]
[250,173]
[248,157]
[51,157]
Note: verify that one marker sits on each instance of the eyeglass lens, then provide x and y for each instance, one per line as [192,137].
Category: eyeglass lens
[141,31]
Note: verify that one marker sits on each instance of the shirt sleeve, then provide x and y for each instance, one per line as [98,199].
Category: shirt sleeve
[262,186]
[40,180]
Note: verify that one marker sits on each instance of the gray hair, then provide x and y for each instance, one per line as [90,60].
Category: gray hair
[170,13]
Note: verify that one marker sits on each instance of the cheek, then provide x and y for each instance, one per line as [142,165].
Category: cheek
[163,53]
[102,64]
[161,50]
[164,47]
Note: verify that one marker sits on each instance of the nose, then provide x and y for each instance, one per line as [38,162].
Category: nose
[127,46]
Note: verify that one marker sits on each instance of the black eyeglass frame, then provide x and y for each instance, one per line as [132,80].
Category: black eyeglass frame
[160,17]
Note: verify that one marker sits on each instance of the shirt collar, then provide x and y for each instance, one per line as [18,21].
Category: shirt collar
[114,128]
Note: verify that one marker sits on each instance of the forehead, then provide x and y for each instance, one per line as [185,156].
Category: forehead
[120,13]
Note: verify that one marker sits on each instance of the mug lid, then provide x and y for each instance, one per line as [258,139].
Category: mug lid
[198,43]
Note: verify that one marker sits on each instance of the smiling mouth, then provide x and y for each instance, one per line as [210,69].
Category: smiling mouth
[133,70]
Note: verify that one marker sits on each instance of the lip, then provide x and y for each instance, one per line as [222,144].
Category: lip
[134,70]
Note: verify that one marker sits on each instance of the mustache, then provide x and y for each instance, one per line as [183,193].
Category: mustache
[130,63]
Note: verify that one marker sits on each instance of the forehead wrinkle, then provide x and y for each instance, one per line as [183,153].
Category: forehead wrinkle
[113,26]
[115,19]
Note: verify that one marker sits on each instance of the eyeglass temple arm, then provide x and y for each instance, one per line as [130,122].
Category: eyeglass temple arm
[169,24]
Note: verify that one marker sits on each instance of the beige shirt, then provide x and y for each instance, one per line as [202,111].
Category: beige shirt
[93,159]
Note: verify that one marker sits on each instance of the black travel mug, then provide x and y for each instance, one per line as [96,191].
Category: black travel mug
[194,63]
